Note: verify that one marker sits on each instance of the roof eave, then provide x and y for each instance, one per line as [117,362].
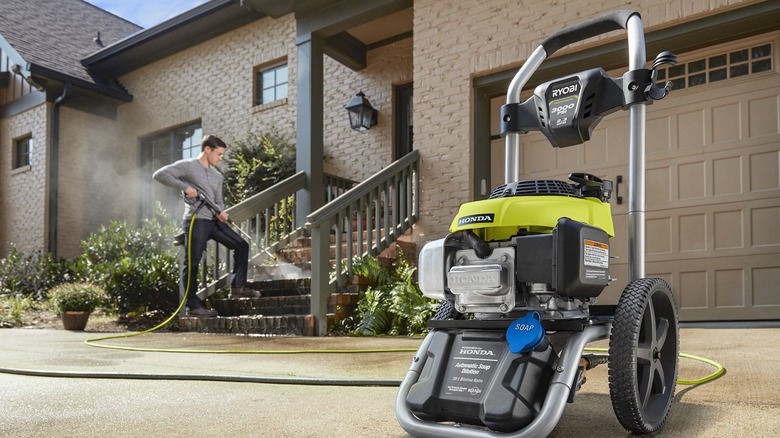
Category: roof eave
[47,74]
[193,27]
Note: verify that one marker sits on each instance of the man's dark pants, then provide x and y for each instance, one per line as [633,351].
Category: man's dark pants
[202,231]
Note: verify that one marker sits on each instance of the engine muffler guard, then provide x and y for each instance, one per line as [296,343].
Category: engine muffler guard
[471,377]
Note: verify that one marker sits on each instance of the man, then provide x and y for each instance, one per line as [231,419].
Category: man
[194,177]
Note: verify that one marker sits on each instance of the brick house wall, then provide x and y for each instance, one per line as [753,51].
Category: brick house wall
[358,155]
[23,198]
[213,82]
[97,177]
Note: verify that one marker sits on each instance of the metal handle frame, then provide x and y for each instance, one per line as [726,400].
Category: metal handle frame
[637,119]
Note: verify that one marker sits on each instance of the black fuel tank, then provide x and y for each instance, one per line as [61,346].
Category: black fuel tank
[471,377]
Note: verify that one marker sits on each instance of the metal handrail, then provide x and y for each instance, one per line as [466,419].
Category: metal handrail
[363,221]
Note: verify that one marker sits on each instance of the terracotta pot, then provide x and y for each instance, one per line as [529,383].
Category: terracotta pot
[75,320]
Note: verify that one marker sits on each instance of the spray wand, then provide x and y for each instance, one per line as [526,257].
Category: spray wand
[217,212]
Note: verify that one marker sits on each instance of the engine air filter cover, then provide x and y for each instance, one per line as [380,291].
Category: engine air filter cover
[533,187]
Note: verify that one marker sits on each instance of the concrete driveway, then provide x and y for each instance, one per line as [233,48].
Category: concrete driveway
[745,402]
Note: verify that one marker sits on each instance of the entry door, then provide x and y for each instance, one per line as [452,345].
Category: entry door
[404,139]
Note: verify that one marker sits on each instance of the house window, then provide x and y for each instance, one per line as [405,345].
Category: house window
[157,151]
[22,152]
[718,67]
[271,84]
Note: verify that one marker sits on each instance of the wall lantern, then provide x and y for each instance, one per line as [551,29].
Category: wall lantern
[362,116]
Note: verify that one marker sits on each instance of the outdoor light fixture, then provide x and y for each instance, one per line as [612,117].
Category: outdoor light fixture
[362,116]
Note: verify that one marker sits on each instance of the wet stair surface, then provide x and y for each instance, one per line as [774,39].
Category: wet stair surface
[285,305]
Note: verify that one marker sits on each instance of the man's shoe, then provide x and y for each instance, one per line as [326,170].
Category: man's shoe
[202,312]
[244,292]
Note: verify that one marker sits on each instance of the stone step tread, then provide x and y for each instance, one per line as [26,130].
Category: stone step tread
[282,325]
[280,305]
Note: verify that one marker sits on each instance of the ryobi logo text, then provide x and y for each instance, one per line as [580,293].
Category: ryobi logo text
[566,89]
[476,219]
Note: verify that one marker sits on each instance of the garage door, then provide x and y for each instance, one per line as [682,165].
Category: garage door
[713,182]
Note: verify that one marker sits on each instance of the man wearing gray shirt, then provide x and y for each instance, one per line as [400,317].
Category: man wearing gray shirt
[194,177]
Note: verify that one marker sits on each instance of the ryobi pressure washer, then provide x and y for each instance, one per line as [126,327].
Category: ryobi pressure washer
[529,262]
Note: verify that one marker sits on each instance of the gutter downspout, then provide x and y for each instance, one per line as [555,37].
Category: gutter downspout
[54,165]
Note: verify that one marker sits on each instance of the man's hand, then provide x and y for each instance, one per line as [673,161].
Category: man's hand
[190,192]
[223,217]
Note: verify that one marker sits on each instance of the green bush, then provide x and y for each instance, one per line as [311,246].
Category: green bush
[77,297]
[32,275]
[393,304]
[255,163]
[137,266]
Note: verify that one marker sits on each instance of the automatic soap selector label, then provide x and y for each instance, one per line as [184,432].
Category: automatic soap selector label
[470,369]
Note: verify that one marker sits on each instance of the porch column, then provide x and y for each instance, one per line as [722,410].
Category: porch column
[309,125]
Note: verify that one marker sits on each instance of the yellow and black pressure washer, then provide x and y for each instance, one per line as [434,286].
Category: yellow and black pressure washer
[519,273]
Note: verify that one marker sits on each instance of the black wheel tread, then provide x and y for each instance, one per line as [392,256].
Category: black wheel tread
[623,381]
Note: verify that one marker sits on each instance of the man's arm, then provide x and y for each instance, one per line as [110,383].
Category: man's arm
[172,174]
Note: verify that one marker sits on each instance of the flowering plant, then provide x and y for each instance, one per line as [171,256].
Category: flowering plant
[77,297]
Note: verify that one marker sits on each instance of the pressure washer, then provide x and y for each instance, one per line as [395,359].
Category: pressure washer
[519,273]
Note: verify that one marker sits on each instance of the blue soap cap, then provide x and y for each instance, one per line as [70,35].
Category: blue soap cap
[526,333]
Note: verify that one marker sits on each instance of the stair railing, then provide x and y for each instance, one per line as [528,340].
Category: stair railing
[269,219]
[378,210]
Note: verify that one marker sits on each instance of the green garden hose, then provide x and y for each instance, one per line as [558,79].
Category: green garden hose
[719,369]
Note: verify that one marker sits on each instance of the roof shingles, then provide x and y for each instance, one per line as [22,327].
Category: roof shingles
[59,34]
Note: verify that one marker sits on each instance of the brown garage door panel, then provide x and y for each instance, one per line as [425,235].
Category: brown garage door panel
[726,229]
[724,288]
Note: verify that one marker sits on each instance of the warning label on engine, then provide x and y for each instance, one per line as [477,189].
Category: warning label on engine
[596,254]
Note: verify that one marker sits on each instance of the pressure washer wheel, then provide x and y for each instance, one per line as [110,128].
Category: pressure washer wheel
[447,311]
[643,354]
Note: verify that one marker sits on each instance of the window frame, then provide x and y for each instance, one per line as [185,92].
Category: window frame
[260,88]
[19,155]
[705,74]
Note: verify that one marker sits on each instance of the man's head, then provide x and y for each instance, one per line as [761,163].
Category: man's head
[213,148]
[212,141]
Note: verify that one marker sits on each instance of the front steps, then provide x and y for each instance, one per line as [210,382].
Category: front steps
[282,310]
[268,316]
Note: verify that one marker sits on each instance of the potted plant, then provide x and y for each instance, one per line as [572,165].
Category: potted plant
[75,301]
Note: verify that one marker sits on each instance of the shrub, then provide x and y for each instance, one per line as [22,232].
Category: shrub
[137,266]
[12,309]
[32,275]
[393,304]
[255,163]
[77,297]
